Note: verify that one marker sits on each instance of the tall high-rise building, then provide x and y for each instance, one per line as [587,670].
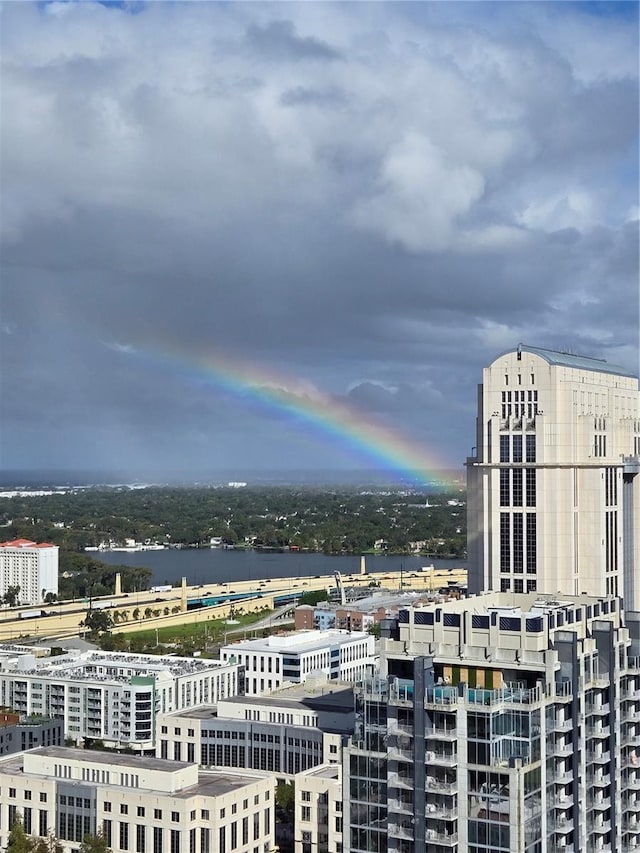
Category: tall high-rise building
[501,724]
[553,485]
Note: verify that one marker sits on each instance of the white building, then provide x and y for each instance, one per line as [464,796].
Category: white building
[318,810]
[139,803]
[110,696]
[553,486]
[31,566]
[290,658]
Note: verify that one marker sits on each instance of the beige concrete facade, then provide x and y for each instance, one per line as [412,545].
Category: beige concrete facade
[142,804]
[318,810]
[554,491]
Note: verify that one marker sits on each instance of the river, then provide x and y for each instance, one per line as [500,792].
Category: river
[218,565]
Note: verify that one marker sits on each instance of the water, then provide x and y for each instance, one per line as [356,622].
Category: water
[217,565]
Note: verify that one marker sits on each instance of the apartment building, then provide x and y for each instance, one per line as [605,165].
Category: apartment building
[501,724]
[139,803]
[31,566]
[285,732]
[553,485]
[318,810]
[110,696]
[273,661]
[359,615]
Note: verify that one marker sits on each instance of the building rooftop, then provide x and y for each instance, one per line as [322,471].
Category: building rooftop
[26,543]
[579,362]
[106,667]
[299,641]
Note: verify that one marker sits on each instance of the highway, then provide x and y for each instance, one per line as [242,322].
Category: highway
[63,618]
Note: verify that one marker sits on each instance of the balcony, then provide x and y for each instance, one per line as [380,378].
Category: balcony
[401,805]
[441,786]
[598,730]
[441,734]
[599,803]
[564,824]
[599,757]
[631,824]
[599,827]
[561,777]
[398,729]
[401,780]
[397,754]
[599,780]
[563,691]
[441,759]
[561,725]
[603,709]
[400,829]
[433,836]
[562,750]
[437,811]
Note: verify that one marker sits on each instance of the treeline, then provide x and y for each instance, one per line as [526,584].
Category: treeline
[326,520]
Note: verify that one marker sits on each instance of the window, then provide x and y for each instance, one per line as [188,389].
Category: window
[505,585]
[124,808]
[504,487]
[191,733]
[164,730]
[245,830]
[27,795]
[518,543]
[505,543]
[157,839]
[175,817]
[12,793]
[305,813]
[531,486]
[106,831]
[43,799]
[306,796]
[531,448]
[140,811]
[518,585]
[204,814]
[517,448]
[124,836]
[140,838]
[157,814]
[106,806]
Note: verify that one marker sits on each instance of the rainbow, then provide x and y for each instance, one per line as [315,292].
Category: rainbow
[311,408]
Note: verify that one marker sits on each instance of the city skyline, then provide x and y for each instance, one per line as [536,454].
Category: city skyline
[239,236]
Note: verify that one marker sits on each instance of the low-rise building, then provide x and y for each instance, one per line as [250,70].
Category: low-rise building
[112,697]
[273,661]
[290,730]
[138,803]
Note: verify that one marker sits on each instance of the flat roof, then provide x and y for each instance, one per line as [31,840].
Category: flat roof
[298,641]
[117,759]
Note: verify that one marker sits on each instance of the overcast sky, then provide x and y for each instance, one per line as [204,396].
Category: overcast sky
[366,202]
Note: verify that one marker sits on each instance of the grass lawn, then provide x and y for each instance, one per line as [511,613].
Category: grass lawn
[213,630]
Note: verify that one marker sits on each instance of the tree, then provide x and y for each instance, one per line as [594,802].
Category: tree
[97,621]
[50,844]
[95,844]
[10,598]
[285,797]
[19,841]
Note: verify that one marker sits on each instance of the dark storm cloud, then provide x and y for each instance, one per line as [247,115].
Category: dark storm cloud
[279,40]
[198,178]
